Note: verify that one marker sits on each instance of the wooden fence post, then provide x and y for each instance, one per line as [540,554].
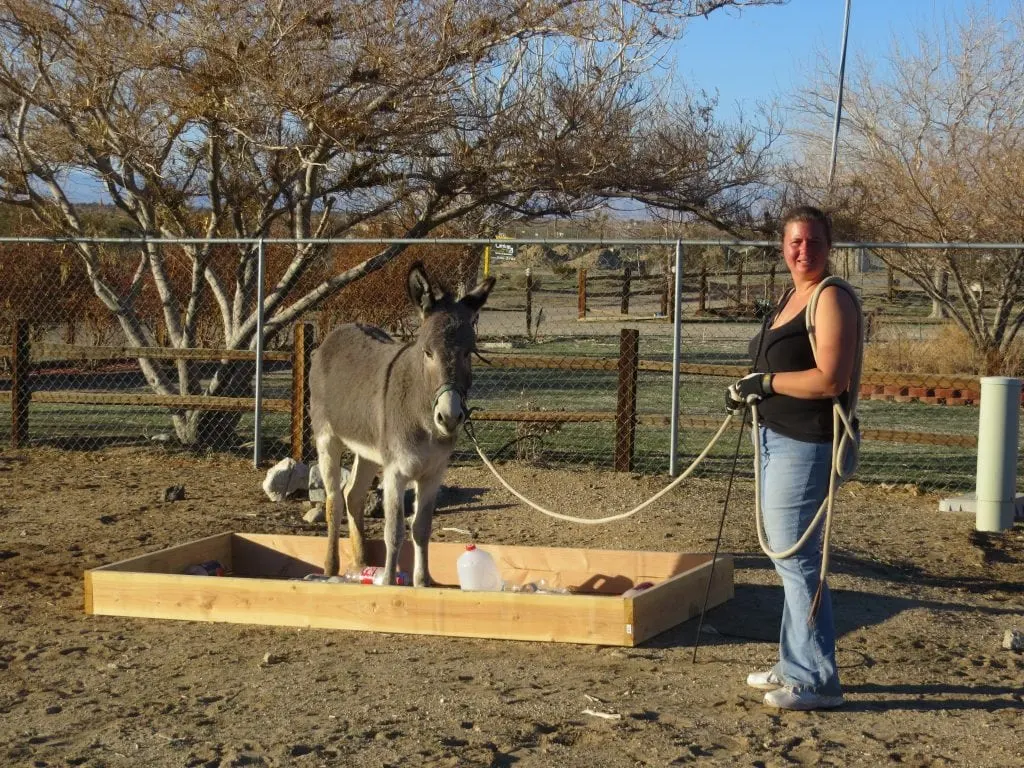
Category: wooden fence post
[302,431]
[625,409]
[529,303]
[21,394]
[666,288]
[627,273]
[581,293]
[702,302]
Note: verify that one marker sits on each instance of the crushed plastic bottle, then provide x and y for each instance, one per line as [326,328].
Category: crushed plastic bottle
[478,571]
[540,587]
[371,574]
[637,589]
[207,568]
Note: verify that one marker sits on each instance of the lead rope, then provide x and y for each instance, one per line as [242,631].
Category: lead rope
[843,441]
[468,426]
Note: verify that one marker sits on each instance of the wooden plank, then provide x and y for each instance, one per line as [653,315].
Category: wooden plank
[196,402]
[537,362]
[503,615]
[173,560]
[42,351]
[679,598]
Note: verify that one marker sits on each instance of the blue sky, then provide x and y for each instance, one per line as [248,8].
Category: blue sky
[759,52]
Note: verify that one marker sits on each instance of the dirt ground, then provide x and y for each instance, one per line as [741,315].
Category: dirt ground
[922,606]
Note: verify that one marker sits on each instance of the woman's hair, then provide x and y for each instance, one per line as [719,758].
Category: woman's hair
[811,214]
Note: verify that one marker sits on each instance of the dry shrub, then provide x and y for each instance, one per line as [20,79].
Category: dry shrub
[381,298]
[951,351]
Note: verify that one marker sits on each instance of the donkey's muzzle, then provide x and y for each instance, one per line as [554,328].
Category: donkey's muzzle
[449,409]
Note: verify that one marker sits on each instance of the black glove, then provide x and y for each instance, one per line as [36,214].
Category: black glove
[751,389]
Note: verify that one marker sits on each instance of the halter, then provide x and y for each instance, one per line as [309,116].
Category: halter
[449,387]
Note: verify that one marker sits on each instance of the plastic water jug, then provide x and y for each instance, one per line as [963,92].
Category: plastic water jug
[478,571]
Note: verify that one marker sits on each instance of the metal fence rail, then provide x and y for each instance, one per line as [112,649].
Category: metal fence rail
[610,353]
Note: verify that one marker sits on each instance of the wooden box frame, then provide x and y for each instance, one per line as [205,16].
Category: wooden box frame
[265,587]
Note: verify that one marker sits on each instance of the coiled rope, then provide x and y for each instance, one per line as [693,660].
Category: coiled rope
[845,444]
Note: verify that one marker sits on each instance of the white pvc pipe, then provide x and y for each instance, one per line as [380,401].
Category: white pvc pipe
[998,423]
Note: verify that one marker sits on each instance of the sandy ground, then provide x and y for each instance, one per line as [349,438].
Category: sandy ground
[922,605]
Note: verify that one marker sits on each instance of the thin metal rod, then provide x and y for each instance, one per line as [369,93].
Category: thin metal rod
[677,324]
[257,448]
[718,538]
[839,98]
[728,490]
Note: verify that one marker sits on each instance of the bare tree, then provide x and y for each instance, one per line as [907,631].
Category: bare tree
[933,150]
[218,118]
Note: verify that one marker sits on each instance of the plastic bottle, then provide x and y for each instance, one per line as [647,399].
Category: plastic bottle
[374,574]
[208,568]
[478,571]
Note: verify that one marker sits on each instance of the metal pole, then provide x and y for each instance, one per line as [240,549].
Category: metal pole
[257,448]
[839,98]
[677,324]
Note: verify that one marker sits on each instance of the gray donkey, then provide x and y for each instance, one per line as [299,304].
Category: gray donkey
[397,408]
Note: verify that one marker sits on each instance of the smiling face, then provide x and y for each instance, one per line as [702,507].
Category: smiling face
[805,247]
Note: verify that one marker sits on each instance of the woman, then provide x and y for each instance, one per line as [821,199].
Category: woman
[793,387]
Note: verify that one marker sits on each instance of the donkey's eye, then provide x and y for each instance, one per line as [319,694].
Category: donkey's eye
[429,354]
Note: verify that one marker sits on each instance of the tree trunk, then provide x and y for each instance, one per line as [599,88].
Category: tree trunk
[207,429]
[942,285]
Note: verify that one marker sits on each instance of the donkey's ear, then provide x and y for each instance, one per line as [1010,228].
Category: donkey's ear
[476,298]
[420,291]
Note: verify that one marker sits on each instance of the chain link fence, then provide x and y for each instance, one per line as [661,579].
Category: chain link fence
[576,342]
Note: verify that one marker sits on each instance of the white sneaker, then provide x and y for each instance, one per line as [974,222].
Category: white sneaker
[764,681]
[791,697]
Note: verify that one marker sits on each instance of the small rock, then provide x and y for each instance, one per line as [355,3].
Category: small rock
[315,514]
[54,709]
[173,493]
[1013,640]
[271,658]
[286,479]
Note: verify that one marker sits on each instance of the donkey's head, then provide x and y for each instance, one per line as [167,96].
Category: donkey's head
[445,343]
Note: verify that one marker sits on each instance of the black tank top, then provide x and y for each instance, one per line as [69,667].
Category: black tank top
[787,348]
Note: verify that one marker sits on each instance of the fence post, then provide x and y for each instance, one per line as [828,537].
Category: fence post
[529,302]
[302,431]
[625,410]
[627,273]
[21,361]
[702,302]
[665,288]
[581,293]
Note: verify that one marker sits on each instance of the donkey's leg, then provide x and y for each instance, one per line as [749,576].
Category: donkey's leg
[422,521]
[394,483]
[359,480]
[328,451]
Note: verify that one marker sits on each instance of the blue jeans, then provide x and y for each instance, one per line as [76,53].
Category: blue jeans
[794,482]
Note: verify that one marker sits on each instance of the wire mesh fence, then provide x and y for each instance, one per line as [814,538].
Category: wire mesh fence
[577,344]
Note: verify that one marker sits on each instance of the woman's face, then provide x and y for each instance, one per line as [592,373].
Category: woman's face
[805,249]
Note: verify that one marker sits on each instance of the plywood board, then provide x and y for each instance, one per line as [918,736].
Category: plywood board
[265,587]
